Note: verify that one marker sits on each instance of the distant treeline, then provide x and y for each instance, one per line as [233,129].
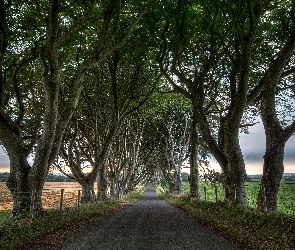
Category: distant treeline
[4,177]
[50,178]
[184,175]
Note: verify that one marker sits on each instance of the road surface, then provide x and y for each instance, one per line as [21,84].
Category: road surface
[151,224]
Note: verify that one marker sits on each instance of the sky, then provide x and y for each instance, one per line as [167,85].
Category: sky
[253,148]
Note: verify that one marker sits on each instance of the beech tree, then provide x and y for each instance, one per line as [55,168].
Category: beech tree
[117,88]
[166,138]
[213,71]
[65,40]
[173,125]
[89,135]
[278,81]
[124,169]
[59,60]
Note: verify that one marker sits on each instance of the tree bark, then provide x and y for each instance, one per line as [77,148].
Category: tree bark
[194,170]
[276,135]
[235,171]
[102,183]
[17,183]
[178,180]
[88,194]
[273,170]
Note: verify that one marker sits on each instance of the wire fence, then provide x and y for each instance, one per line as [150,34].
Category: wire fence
[53,199]
[215,193]
[55,195]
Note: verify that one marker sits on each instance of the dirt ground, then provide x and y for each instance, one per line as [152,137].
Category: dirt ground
[51,195]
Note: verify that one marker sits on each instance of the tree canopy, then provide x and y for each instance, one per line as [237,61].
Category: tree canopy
[135,88]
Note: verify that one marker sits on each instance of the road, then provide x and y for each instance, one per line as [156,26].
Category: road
[151,224]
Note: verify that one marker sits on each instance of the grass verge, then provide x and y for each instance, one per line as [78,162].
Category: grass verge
[248,228]
[21,233]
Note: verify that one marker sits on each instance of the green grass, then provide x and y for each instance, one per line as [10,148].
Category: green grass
[4,215]
[246,227]
[286,196]
[14,233]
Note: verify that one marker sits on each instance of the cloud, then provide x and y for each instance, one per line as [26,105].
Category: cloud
[290,150]
[253,144]
[4,161]
[253,148]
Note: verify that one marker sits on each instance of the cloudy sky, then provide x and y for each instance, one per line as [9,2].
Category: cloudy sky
[253,147]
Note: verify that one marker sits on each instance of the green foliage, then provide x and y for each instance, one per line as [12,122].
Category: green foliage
[15,233]
[246,227]
[49,178]
[4,177]
[4,215]
[58,178]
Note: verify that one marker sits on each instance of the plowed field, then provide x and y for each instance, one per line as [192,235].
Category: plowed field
[51,195]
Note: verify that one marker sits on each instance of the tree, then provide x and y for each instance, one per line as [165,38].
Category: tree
[170,128]
[124,169]
[213,72]
[117,89]
[69,40]
[277,82]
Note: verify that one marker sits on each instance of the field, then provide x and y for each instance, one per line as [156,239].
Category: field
[51,195]
[286,197]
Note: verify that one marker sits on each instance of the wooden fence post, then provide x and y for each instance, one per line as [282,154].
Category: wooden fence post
[93,196]
[216,194]
[79,196]
[32,204]
[61,199]
[205,191]
[264,199]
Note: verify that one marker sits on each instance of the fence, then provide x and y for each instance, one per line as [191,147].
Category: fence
[51,195]
[53,199]
[286,196]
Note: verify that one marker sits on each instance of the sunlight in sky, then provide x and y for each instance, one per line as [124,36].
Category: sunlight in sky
[253,148]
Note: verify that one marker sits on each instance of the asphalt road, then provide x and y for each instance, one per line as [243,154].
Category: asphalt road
[152,224]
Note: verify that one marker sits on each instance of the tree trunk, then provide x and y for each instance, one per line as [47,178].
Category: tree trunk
[102,183]
[88,194]
[40,167]
[178,180]
[235,171]
[273,169]
[276,137]
[171,187]
[120,190]
[194,171]
[113,188]
[18,181]
[19,187]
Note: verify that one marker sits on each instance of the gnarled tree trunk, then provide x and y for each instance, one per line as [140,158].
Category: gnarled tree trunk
[235,172]
[273,170]
[102,182]
[194,171]
[88,194]
[276,135]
